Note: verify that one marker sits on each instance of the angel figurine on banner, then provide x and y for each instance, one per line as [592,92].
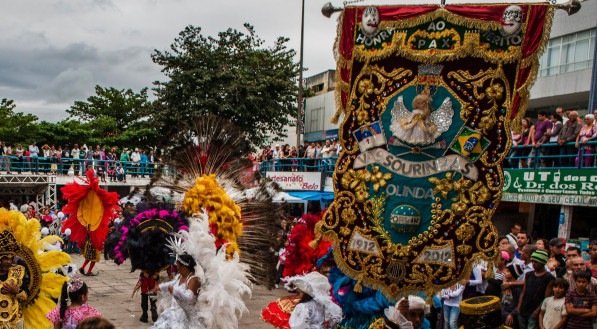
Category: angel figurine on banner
[421,126]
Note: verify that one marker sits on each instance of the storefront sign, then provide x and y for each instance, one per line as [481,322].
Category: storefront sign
[574,187]
[296,181]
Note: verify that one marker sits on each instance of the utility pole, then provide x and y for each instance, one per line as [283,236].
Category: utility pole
[300,125]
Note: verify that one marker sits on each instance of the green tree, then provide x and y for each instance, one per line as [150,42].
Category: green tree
[115,117]
[233,76]
[16,127]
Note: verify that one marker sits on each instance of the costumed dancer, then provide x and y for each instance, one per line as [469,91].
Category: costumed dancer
[208,291]
[215,176]
[408,313]
[73,308]
[315,309]
[303,250]
[144,239]
[90,210]
[148,284]
[28,284]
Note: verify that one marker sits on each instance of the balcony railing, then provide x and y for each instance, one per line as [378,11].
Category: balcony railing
[110,169]
[547,155]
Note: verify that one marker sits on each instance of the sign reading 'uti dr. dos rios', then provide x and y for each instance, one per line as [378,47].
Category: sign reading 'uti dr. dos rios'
[296,181]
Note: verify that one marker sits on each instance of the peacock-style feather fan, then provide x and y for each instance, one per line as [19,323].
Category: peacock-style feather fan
[214,174]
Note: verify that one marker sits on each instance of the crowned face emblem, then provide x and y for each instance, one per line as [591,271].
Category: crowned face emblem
[370,21]
[511,20]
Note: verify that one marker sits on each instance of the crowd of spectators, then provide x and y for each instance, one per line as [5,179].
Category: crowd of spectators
[543,284]
[559,139]
[108,162]
[315,156]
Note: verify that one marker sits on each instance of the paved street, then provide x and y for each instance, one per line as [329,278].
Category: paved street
[110,292]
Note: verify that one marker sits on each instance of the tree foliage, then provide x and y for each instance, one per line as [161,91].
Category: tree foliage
[16,127]
[116,117]
[232,76]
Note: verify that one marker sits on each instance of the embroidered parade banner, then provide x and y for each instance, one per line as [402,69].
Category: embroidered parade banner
[428,94]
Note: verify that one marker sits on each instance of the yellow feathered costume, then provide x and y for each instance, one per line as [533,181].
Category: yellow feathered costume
[44,284]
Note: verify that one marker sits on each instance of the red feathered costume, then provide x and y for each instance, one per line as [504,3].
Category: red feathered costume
[90,210]
[305,246]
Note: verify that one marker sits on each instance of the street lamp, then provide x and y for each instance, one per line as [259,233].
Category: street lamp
[300,107]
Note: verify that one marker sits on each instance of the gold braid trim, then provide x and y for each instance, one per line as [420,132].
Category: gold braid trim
[489,304]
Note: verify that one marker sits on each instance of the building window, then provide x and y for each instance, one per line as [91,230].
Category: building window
[568,53]
[315,122]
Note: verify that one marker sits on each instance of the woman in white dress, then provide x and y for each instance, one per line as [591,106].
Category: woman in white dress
[182,293]
[315,310]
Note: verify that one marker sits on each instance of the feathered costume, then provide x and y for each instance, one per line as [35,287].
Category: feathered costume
[305,247]
[144,239]
[90,210]
[22,237]
[215,177]
[224,282]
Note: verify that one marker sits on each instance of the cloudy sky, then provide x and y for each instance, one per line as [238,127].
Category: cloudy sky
[54,52]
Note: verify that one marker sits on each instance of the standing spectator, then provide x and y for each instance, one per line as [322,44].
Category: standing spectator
[556,246]
[75,154]
[539,137]
[514,161]
[19,153]
[585,151]
[66,160]
[568,133]
[513,235]
[151,160]
[327,152]
[34,154]
[135,163]
[537,285]
[124,161]
[310,155]
[553,310]
[510,298]
[578,264]
[563,114]
[592,264]
[581,304]
[276,155]
[2,155]
[6,154]
[552,149]
[526,131]
[144,161]
[452,297]
[522,239]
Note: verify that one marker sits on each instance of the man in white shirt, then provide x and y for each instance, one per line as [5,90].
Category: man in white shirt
[135,159]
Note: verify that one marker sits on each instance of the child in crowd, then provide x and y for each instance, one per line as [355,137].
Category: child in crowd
[509,298]
[112,174]
[101,173]
[73,307]
[452,297]
[148,283]
[581,303]
[553,310]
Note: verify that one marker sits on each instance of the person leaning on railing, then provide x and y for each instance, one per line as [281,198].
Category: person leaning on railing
[551,147]
[587,133]
[567,135]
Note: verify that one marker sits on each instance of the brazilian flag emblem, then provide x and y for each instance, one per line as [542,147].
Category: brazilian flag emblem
[470,144]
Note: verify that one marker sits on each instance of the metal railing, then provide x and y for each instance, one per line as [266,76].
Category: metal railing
[522,156]
[113,170]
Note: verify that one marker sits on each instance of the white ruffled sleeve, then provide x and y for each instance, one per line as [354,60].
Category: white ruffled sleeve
[181,293]
[165,285]
[299,319]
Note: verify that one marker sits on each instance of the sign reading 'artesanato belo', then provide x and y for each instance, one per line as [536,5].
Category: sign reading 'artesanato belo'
[428,95]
